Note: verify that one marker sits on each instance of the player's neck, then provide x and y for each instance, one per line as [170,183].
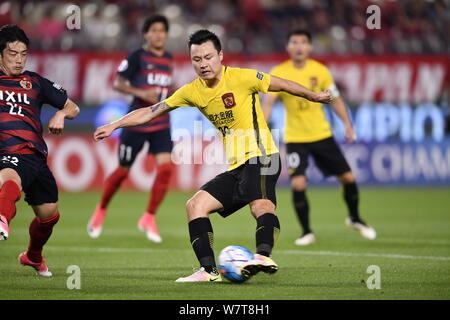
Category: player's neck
[154,50]
[212,83]
[299,64]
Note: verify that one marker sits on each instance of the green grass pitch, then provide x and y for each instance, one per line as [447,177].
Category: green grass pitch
[412,250]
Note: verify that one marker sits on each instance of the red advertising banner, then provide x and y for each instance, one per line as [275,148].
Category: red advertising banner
[88,77]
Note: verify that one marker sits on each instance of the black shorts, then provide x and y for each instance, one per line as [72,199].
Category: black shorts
[131,142]
[326,153]
[38,182]
[251,181]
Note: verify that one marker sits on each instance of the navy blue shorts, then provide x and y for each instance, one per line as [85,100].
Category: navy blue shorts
[38,182]
[251,181]
[131,142]
[327,156]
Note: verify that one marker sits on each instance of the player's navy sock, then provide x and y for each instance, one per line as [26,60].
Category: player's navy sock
[301,206]
[351,196]
[40,231]
[160,186]
[202,240]
[9,195]
[267,231]
[111,184]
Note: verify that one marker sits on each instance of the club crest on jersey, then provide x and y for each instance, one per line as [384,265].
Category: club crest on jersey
[314,81]
[26,84]
[228,100]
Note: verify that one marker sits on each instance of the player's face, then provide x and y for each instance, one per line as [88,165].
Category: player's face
[207,62]
[14,58]
[156,35]
[299,47]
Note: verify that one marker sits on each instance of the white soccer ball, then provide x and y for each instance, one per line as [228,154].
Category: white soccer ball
[231,260]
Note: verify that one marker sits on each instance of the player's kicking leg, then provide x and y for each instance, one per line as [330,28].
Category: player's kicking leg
[267,231]
[351,197]
[40,230]
[10,192]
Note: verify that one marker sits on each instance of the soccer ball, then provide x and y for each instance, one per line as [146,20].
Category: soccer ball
[231,259]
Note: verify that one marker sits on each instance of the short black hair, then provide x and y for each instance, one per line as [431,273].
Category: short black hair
[202,36]
[154,19]
[300,32]
[12,33]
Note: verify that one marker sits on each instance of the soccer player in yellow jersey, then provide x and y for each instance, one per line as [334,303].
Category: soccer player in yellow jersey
[307,132]
[228,97]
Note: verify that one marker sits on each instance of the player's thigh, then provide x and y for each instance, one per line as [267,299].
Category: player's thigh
[201,204]
[297,158]
[329,158]
[43,188]
[161,145]
[45,211]
[130,143]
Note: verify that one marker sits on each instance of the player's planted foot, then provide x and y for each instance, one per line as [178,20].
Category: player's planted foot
[4,228]
[306,239]
[40,267]
[365,230]
[257,264]
[202,276]
[95,225]
[147,224]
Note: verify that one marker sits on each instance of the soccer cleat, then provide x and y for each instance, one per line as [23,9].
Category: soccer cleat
[40,267]
[306,239]
[257,264]
[147,224]
[4,229]
[201,276]
[365,230]
[94,227]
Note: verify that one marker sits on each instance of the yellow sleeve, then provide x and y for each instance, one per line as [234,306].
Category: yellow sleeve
[257,81]
[181,98]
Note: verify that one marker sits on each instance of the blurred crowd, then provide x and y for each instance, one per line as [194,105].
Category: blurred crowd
[245,26]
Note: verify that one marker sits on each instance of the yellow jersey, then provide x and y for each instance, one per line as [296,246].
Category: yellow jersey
[305,120]
[233,107]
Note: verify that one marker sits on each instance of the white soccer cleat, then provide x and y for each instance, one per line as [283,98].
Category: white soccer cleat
[366,231]
[306,240]
[4,228]
[147,224]
[201,276]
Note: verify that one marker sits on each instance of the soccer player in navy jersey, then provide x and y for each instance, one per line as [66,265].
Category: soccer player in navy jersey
[23,152]
[147,75]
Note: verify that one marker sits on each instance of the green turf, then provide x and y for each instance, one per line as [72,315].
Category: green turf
[413,226]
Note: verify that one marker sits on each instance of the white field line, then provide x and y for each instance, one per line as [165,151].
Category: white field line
[276,252]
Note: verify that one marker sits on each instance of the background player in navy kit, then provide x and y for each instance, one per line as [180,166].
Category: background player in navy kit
[23,152]
[147,75]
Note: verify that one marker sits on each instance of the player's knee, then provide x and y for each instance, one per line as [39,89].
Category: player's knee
[261,206]
[347,177]
[299,183]
[10,175]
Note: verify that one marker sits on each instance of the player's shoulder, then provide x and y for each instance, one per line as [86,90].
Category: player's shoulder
[136,53]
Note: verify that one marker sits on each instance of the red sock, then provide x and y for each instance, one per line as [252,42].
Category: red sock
[160,186]
[112,183]
[9,195]
[40,231]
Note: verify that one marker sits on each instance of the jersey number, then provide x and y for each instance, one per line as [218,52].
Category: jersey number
[13,109]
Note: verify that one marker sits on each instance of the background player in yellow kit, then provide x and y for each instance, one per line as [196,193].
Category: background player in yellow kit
[229,98]
[307,132]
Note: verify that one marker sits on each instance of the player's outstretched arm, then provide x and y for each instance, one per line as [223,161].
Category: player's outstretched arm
[340,109]
[69,111]
[280,84]
[134,118]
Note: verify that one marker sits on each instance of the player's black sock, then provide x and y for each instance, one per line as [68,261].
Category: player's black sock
[202,238]
[351,196]
[267,231]
[302,208]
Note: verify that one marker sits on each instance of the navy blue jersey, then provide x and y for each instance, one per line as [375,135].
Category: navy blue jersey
[21,100]
[146,70]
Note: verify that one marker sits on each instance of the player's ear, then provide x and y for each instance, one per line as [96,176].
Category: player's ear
[221,55]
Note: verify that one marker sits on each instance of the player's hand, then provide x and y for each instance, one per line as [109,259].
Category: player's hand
[350,135]
[324,97]
[56,123]
[150,95]
[103,132]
